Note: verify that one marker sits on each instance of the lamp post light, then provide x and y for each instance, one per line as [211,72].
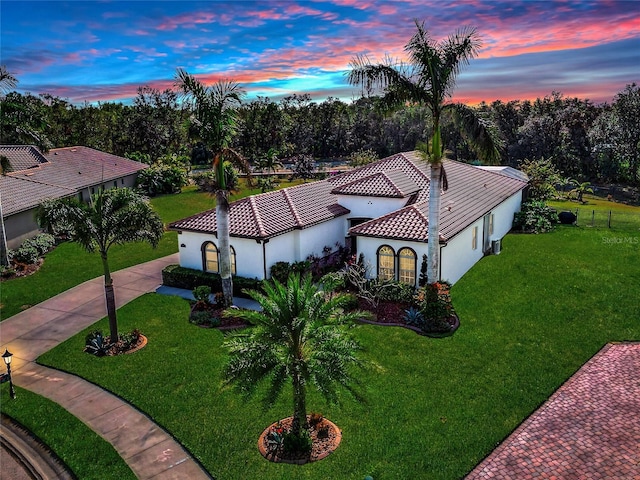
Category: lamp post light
[7,356]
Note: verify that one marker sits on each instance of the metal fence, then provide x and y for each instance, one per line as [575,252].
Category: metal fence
[587,217]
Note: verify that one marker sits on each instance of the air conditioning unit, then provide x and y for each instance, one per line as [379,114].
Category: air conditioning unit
[496,246]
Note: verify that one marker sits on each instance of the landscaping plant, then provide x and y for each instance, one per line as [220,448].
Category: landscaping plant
[298,337]
[114,216]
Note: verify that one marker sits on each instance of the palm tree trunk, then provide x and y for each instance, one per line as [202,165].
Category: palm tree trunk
[110,298]
[433,235]
[222,219]
[299,405]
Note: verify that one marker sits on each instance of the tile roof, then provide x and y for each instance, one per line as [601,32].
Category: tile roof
[393,184]
[272,213]
[22,157]
[59,173]
[472,193]
[20,194]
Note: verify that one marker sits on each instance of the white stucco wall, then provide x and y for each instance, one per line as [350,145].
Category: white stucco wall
[252,257]
[458,256]
[369,246]
[370,207]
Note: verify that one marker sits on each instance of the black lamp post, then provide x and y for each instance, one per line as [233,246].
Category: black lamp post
[7,356]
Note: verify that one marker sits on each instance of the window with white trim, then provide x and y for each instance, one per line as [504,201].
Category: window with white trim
[474,238]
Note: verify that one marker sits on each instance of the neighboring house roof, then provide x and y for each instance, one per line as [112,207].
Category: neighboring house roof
[22,157]
[19,195]
[473,192]
[60,173]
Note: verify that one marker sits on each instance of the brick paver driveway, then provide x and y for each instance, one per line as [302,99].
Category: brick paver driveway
[588,429]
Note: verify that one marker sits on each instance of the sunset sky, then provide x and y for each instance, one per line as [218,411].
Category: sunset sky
[104,50]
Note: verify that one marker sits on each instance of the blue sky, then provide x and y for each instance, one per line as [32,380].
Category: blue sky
[104,50]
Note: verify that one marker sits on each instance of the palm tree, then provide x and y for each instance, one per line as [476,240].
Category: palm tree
[7,81]
[214,122]
[298,336]
[580,189]
[429,79]
[114,216]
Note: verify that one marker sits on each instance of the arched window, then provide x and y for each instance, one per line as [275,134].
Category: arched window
[233,260]
[210,261]
[386,263]
[407,266]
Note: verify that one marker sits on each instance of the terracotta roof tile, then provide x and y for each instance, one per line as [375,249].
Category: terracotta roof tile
[394,184]
[272,213]
[472,193]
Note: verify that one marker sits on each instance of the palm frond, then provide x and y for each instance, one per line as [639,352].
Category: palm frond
[481,134]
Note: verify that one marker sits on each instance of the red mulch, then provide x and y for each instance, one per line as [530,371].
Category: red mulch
[321,445]
[387,312]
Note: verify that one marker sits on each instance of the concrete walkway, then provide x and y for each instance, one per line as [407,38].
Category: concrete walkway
[588,429]
[149,451]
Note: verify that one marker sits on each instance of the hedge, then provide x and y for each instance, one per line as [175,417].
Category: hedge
[188,278]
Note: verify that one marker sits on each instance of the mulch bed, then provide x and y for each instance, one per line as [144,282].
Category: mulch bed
[23,269]
[392,314]
[321,447]
[226,323]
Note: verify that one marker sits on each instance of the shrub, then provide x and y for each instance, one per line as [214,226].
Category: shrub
[44,243]
[535,217]
[394,291]
[25,253]
[159,179]
[188,279]
[292,443]
[280,271]
[204,318]
[201,294]
[434,304]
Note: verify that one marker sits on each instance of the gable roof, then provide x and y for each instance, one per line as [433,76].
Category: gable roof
[273,213]
[473,192]
[60,173]
[393,184]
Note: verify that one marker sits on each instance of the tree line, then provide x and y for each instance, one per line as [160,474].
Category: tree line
[597,143]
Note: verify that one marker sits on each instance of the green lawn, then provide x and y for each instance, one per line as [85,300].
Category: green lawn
[530,317]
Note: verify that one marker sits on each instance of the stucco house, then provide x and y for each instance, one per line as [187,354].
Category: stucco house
[379,210]
[62,172]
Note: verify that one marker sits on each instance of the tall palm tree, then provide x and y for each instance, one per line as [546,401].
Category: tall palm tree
[429,79]
[214,122]
[297,336]
[114,216]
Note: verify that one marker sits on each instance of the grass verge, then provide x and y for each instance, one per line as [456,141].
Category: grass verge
[87,455]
